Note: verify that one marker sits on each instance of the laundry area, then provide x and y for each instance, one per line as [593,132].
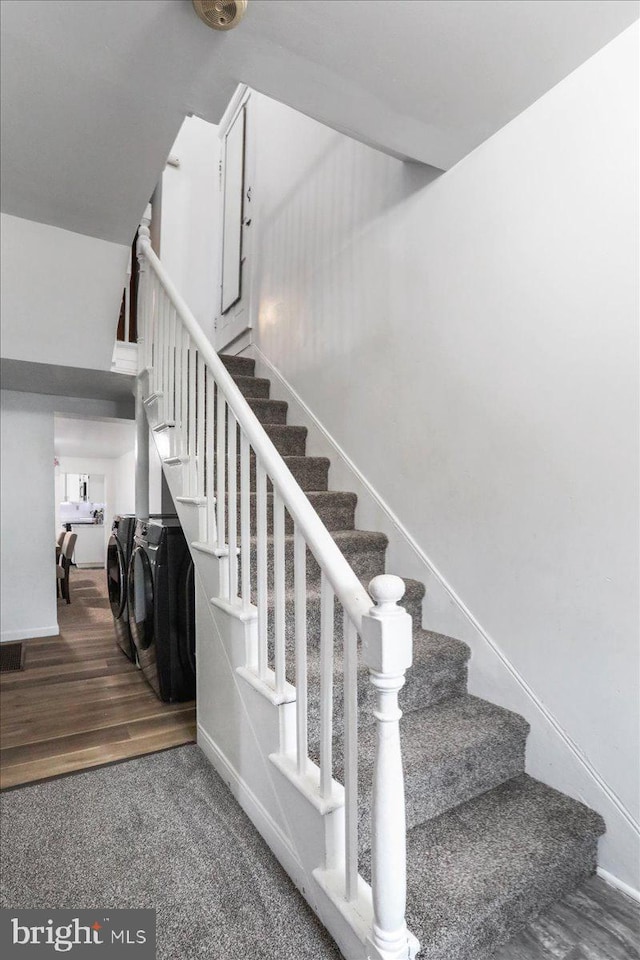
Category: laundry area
[118,681]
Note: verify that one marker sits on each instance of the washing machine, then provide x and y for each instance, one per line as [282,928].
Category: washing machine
[118,555]
[162,607]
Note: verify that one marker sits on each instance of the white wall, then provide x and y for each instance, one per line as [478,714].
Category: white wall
[155,478]
[481,333]
[27,544]
[190,218]
[124,499]
[61,294]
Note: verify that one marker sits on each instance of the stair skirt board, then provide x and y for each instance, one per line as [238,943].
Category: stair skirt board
[294,829]
[463,757]
[350,935]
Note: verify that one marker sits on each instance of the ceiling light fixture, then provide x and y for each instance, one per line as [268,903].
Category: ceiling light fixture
[220,14]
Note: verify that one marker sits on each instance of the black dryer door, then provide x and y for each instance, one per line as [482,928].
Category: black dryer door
[116,577]
[140,595]
[187,618]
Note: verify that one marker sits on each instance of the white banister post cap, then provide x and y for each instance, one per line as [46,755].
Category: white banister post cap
[386,590]
[386,629]
[144,235]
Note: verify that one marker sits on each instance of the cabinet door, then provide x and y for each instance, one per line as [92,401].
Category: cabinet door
[233,173]
[96,488]
[72,487]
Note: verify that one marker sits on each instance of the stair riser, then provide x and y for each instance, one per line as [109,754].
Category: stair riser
[446,784]
[239,366]
[289,441]
[313,620]
[427,683]
[366,564]
[336,511]
[269,411]
[312,473]
[253,387]
[412,603]
[576,863]
[423,688]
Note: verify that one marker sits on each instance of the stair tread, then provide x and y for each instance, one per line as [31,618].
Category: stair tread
[477,872]
[241,379]
[336,496]
[260,401]
[306,459]
[443,732]
[283,428]
[448,728]
[238,363]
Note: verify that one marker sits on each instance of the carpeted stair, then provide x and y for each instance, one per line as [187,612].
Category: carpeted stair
[488,847]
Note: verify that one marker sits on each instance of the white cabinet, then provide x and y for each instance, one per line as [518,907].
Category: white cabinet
[96,488]
[72,487]
[90,546]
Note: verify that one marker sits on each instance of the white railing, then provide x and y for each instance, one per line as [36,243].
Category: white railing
[223,447]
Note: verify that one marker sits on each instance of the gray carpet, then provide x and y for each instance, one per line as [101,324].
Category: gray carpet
[488,847]
[161,831]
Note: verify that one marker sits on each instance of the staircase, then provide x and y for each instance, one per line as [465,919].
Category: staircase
[300,716]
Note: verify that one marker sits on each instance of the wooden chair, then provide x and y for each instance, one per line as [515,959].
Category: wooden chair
[63,564]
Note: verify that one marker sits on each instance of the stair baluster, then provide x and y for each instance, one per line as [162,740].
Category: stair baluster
[221,496]
[326,686]
[261,565]
[232,505]
[278,591]
[169,364]
[245,521]
[200,428]
[192,420]
[208,456]
[300,589]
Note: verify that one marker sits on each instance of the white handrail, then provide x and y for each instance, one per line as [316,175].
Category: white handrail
[350,592]
[208,414]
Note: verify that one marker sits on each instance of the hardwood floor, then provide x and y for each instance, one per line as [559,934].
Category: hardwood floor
[595,922]
[79,702]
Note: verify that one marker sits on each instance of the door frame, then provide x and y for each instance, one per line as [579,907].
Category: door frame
[237,319]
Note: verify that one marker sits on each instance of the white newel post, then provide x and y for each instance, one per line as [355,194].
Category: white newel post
[142,426]
[144,239]
[387,651]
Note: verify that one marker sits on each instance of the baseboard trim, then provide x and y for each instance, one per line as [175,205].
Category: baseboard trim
[261,819]
[459,603]
[618,884]
[8,636]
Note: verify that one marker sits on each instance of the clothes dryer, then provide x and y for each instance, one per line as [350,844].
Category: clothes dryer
[162,607]
[118,556]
